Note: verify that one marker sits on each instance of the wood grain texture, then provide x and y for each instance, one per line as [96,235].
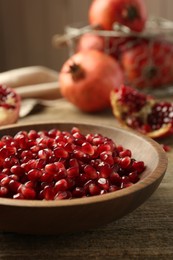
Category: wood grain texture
[27,28]
[146,233]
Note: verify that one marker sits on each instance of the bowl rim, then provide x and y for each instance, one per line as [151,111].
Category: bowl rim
[158,173]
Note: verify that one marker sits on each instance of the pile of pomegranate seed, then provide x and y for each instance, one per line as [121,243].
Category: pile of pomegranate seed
[55,165]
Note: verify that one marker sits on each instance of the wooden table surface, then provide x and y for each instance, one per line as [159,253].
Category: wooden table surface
[146,233]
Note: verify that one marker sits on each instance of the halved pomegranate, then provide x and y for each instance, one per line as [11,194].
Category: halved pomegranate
[9,105]
[142,112]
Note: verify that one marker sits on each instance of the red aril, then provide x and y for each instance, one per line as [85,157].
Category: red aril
[108,168]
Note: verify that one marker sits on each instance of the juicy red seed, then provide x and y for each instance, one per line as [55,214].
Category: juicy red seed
[63,195]
[105,170]
[30,184]
[61,174]
[10,149]
[2,175]
[133,177]
[28,193]
[3,191]
[73,172]
[94,189]
[115,178]
[91,172]
[32,135]
[26,153]
[54,164]
[69,147]
[17,170]
[138,166]
[34,174]
[106,157]
[166,148]
[88,148]
[10,161]
[61,185]
[47,177]
[73,162]
[125,182]
[78,192]
[43,154]
[18,196]
[103,183]
[5,181]
[14,186]
[48,193]
[125,153]
[60,153]
[113,188]
[104,148]
[51,168]
[125,162]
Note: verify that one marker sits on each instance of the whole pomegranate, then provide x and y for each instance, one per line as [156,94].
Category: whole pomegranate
[87,78]
[148,64]
[9,105]
[131,13]
[142,112]
[90,41]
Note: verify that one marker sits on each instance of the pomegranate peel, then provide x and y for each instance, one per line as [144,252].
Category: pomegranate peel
[87,78]
[142,112]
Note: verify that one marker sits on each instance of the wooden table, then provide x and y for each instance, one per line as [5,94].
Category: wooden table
[146,233]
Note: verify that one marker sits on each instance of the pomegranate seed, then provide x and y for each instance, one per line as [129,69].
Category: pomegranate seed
[91,172]
[87,148]
[113,188]
[105,170]
[78,192]
[138,166]
[125,153]
[18,196]
[103,183]
[104,148]
[34,174]
[61,185]
[2,175]
[125,162]
[51,168]
[55,165]
[107,157]
[94,189]
[3,191]
[73,172]
[133,177]
[115,178]
[27,192]
[49,193]
[61,174]
[125,182]
[166,148]
[60,153]
[63,195]
[14,186]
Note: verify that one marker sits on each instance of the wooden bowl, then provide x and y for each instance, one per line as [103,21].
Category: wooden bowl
[55,217]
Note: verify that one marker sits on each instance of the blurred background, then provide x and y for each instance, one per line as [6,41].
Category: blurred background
[27,28]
